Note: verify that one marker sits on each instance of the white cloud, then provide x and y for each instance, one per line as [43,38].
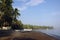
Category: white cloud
[21,0]
[28,3]
[34,2]
[20,8]
[23,8]
[24,0]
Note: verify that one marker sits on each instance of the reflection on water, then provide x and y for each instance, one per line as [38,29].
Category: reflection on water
[50,31]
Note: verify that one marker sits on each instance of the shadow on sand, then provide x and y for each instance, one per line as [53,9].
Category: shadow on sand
[4,33]
[24,39]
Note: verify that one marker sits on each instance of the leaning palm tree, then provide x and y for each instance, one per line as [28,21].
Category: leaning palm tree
[16,14]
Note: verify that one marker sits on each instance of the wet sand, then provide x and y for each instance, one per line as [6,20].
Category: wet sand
[27,36]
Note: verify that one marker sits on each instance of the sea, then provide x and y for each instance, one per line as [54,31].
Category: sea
[52,32]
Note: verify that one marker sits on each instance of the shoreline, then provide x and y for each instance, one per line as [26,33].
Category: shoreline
[57,37]
[28,36]
[54,36]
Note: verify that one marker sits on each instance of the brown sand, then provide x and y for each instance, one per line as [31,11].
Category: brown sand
[27,36]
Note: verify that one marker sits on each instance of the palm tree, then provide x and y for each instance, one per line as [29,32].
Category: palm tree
[9,13]
[6,8]
[16,14]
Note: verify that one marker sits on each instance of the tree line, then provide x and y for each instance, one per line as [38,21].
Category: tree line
[28,26]
[8,14]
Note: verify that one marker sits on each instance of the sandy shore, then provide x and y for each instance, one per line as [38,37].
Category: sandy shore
[28,36]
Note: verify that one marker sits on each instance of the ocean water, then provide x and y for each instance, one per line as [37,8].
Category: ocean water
[52,32]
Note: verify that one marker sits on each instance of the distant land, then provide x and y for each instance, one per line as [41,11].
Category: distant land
[27,26]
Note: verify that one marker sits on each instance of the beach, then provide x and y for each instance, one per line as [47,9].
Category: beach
[16,35]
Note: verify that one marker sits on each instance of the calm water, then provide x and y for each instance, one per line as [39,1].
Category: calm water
[52,32]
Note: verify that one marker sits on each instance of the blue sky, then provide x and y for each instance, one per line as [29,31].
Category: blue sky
[39,12]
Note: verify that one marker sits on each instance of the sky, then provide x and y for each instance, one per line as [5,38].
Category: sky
[39,12]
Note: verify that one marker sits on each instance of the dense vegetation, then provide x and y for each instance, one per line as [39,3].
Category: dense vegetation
[8,15]
[36,27]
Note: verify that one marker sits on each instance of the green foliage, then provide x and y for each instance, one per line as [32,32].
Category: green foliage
[36,27]
[8,15]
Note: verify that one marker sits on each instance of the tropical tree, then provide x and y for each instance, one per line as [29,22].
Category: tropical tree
[6,8]
[15,14]
[8,15]
[1,20]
